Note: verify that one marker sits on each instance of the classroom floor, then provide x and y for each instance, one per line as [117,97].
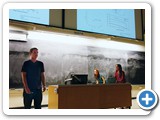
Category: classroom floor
[16,98]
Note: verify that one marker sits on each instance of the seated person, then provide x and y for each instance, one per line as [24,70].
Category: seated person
[119,74]
[99,78]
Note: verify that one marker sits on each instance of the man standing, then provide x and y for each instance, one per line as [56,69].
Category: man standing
[33,80]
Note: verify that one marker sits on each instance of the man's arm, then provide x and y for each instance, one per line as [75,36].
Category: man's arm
[24,81]
[43,81]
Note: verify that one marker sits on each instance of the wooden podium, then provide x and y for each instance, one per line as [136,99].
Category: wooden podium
[89,96]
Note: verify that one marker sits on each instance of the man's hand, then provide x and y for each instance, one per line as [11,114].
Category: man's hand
[27,90]
[44,88]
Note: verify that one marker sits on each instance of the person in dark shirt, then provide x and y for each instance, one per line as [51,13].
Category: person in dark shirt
[99,78]
[33,80]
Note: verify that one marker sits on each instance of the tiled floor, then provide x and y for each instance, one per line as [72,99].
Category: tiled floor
[16,98]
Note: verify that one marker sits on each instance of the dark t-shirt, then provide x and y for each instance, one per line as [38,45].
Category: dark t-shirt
[33,73]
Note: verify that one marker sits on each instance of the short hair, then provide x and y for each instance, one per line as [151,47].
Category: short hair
[31,50]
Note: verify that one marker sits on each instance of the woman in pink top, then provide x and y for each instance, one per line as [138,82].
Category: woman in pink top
[119,74]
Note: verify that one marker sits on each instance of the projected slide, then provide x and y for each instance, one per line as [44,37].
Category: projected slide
[117,22]
[40,16]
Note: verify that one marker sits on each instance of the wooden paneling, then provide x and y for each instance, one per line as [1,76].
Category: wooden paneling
[93,96]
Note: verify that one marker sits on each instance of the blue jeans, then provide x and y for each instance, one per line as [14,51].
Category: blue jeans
[35,95]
